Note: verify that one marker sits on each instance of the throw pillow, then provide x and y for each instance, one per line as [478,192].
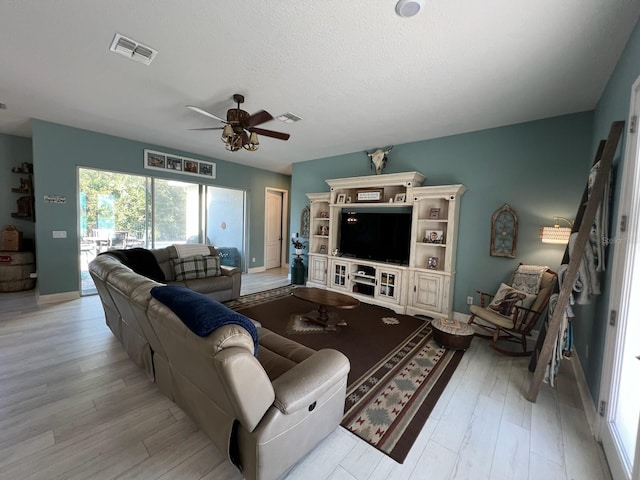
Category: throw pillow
[196,266]
[527,278]
[507,297]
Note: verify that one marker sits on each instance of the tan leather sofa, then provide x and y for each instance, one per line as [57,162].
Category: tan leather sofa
[222,288]
[264,413]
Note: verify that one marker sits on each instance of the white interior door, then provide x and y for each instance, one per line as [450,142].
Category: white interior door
[273,226]
[619,431]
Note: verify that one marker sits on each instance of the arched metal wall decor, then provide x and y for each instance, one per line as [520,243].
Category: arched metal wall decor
[504,232]
[304,222]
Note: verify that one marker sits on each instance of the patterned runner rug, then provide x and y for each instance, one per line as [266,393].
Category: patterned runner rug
[398,372]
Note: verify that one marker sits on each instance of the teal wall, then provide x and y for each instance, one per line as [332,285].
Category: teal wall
[539,168]
[13,152]
[591,324]
[57,152]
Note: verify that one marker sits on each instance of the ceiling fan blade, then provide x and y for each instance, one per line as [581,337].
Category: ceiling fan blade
[208,128]
[271,133]
[258,118]
[204,112]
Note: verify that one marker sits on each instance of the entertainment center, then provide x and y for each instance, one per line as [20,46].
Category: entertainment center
[386,240]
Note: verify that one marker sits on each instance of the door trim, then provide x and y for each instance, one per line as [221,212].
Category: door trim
[284,260]
[621,275]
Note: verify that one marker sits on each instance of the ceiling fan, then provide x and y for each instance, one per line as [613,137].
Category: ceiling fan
[241,129]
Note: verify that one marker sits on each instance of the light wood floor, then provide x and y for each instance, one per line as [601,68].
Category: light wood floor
[73,406]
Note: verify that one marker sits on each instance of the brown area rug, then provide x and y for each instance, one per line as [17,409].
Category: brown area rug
[397,374]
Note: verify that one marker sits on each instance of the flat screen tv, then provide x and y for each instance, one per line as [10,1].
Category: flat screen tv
[381,236]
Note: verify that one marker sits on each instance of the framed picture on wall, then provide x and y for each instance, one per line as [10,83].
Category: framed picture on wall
[187,166]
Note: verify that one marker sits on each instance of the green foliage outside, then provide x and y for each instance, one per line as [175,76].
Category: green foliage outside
[131,197]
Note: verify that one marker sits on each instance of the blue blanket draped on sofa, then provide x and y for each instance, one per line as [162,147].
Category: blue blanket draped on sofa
[202,314]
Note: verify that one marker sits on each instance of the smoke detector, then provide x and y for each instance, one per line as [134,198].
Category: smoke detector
[408,8]
[132,50]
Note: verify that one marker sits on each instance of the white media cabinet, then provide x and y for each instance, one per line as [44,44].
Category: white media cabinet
[425,285]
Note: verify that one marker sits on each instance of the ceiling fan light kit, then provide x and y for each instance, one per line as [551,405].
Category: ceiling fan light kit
[408,8]
[240,130]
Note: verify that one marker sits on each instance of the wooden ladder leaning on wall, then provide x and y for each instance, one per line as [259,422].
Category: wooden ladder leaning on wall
[583,225]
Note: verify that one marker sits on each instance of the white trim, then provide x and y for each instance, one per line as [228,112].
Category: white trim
[56,297]
[461,317]
[257,269]
[585,394]
[621,275]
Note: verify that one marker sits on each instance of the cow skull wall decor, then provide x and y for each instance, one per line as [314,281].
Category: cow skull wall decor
[379,159]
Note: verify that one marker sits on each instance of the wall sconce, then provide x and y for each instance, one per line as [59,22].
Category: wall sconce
[556,234]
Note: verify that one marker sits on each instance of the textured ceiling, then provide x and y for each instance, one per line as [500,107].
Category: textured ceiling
[360,76]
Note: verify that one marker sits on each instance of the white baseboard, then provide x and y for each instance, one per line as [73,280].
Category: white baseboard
[585,395]
[56,297]
[461,317]
[257,270]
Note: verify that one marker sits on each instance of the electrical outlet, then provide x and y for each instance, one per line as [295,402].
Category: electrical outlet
[253,260]
[469,300]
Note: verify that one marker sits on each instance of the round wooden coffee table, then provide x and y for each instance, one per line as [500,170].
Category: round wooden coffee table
[324,299]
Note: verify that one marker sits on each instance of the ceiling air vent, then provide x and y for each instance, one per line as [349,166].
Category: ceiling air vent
[289,117]
[132,49]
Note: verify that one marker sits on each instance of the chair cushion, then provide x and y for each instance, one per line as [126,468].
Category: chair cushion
[492,317]
[196,266]
[527,278]
[507,297]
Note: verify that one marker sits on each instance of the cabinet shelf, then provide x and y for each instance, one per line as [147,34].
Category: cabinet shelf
[363,280]
[432,220]
[26,208]
[360,205]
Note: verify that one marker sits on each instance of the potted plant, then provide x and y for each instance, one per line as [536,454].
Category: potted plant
[298,245]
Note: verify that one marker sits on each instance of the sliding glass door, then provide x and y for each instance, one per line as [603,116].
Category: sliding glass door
[176,212]
[113,214]
[118,210]
[225,223]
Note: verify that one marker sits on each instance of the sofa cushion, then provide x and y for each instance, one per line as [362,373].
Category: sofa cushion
[196,266]
[202,314]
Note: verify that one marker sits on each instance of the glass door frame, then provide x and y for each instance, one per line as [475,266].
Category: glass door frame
[622,276]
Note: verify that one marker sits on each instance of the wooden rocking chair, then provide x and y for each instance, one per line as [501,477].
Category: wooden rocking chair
[512,323]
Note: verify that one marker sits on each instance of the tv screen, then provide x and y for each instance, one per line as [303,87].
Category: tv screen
[381,236]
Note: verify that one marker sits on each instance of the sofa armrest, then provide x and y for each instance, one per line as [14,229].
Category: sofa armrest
[307,381]
[236,275]
[229,271]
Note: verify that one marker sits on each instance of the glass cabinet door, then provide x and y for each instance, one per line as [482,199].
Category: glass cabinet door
[339,275]
[388,284]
